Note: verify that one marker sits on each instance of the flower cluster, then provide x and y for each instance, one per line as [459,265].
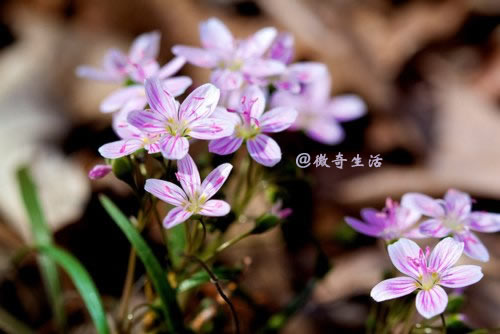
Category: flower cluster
[228,112]
[263,60]
[421,216]
[255,91]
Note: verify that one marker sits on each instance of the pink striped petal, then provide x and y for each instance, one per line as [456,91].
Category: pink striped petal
[445,254]
[174,147]
[92,73]
[346,107]
[160,100]
[484,222]
[153,146]
[222,113]
[307,71]
[264,150]
[473,247]
[393,288]
[431,302]
[401,253]
[460,276]
[263,67]
[140,72]
[253,101]
[115,61]
[282,48]
[148,121]
[200,103]
[434,228]
[121,126]
[121,97]
[166,191]
[215,208]
[373,217]
[188,175]
[300,74]
[146,46]
[214,181]
[175,217]
[120,148]
[277,119]
[226,79]
[256,45]
[215,35]
[458,202]
[326,131]
[211,128]
[224,146]
[196,56]
[422,203]
[368,229]
[171,67]
[177,86]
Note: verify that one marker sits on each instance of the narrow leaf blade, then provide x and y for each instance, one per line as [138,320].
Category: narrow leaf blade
[170,307]
[42,236]
[83,283]
[10,324]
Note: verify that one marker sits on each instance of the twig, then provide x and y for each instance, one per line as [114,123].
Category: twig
[215,281]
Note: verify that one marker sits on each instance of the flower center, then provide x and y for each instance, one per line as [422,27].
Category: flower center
[177,128]
[454,224]
[428,280]
[196,203]
[232,64]
[246,131]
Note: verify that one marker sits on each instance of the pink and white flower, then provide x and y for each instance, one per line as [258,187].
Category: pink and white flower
[135,95]
[319,115]
[171,125]
[233,61]
[133,69]
[138,64]
[250,125]
[393,222]
[194,197]
[426,272]
[453,215]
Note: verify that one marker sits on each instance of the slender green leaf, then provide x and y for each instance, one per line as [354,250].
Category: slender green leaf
[42,236]
[83,283]
[10,324]
[167,294]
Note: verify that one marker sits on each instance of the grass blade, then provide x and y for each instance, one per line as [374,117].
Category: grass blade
[166,293]
[42,236]
[10,324]
[83,283]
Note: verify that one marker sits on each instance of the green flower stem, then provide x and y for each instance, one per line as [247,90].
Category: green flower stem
[225,245]
[443,320]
